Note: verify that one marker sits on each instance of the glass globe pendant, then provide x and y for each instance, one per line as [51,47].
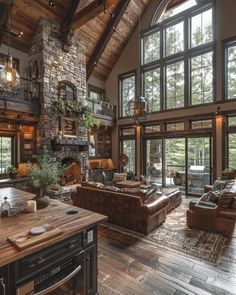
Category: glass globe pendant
[9,77]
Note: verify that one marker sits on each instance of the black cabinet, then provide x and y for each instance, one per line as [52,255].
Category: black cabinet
[4,281]
[69,265]
[91,271]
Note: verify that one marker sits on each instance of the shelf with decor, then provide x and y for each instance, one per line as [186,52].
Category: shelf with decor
[28,143]
[100,142]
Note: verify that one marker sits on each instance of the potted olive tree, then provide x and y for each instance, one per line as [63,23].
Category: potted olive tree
[42,175]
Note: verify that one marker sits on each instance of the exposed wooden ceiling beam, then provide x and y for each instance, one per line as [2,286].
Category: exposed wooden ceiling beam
[106,36]
[89,12]
[3,19]
[66,31]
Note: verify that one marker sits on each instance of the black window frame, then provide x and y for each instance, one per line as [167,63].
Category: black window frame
[227,43]
[186,55]
[123,137]
[98,90]
[13,148]
[121,77]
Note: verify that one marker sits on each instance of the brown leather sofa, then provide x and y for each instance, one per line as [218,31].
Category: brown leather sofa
[216,209]
[125,209]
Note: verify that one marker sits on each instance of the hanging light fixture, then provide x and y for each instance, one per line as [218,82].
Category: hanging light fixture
[138,107]
[9,77]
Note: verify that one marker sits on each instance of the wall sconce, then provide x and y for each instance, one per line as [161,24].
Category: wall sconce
[218,113]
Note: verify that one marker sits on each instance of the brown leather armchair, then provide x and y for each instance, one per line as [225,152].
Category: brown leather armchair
[215,211]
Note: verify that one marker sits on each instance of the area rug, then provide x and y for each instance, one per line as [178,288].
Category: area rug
[174,234]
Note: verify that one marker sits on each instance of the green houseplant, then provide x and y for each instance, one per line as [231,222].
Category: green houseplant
[66,108]
[44,174]
[12,171]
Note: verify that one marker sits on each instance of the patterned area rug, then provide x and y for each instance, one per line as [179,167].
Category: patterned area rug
[174,234]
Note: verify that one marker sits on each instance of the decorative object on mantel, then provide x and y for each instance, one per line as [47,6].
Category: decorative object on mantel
[43,175]
[9,77]
[74,107]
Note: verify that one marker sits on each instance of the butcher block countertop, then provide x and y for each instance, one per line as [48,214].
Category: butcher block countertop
[56,215]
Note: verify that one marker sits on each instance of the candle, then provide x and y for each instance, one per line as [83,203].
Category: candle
[31,206]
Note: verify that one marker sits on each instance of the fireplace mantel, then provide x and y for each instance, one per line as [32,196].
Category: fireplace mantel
[59,143]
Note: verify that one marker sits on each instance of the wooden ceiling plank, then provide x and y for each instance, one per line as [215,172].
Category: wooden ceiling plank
[3,19]
[107,34]
[89,12]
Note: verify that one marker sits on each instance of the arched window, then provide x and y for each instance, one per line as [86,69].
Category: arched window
[66,90]
[178,55]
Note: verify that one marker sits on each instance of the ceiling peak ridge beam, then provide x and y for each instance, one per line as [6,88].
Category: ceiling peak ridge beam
[89,12]
[67,32]
[107,34]
[4,14]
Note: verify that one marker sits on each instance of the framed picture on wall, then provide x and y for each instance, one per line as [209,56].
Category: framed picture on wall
[15,61]
[69,127]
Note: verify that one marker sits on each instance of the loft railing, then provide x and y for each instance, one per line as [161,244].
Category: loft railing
[28,91]
[102,108]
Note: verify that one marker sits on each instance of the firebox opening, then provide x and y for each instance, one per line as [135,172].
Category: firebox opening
[72,172]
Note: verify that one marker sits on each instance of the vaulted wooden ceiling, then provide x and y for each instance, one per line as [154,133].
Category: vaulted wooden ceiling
[105,26]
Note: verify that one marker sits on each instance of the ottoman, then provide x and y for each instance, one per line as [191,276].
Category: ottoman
[174,196]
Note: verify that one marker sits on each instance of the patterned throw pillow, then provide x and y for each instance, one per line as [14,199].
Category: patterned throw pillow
[119,177]
[112,188]
[219,185]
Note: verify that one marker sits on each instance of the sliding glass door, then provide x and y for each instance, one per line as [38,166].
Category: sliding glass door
[154,160]
[184,162]
[174,161]
[199,164]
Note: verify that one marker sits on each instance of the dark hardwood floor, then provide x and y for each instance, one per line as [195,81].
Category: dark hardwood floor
[130,266]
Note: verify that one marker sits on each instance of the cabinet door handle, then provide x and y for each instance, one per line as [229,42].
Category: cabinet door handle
[2,287]
[61,282]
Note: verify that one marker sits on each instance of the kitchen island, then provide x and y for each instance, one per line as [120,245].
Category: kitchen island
[51,262]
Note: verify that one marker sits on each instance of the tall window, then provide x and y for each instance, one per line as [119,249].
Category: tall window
[127,91]
[178,56]
[95,93]
[6,159]
[230,69]
[231,146]
[128,147]
[232,150]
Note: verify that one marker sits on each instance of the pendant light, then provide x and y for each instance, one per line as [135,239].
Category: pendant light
[138,107]
[9,77]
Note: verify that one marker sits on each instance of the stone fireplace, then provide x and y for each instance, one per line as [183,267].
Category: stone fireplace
[57,69]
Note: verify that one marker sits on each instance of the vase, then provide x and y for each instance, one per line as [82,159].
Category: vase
[13,175]
[41,199]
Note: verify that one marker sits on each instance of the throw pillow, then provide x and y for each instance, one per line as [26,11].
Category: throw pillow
[219,185]
[119,177]
[112,188]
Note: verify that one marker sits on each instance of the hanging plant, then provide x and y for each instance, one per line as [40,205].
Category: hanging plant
[63,107]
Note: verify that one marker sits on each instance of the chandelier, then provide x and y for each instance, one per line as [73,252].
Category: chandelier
[138,109]
[9,77]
